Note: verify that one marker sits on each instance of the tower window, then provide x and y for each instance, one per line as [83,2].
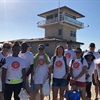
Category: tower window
[50,17]
[46,44]
[60,32]
[73,34]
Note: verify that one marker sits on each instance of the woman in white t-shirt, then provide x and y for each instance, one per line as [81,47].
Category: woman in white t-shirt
[3,54]
[90,60]
[78,68]
[60,73]
[13,74]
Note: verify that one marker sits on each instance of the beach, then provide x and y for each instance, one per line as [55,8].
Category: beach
[47,98]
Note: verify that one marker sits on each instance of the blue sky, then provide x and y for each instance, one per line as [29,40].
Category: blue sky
[18,19]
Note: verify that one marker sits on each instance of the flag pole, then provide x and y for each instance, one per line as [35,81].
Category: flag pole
[58,10]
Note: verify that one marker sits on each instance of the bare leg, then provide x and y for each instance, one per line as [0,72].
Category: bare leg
[83,90]
[32,93]
[55,92]
[62,89]
[41,94]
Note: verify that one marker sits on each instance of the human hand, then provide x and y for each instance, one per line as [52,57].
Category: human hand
[65,76]
[87,76]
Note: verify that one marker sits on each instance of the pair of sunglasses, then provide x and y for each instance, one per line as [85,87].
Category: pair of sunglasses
[77,52]
[8,47]
[41,49]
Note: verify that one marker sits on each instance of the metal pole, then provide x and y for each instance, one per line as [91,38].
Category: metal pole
[59,11]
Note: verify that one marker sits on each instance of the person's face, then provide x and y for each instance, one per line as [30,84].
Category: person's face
[89,57]
[41,51]
[16,50]
[60,50]
[78,54]
[68,46]
[6,48]
[24,47]
[92,48]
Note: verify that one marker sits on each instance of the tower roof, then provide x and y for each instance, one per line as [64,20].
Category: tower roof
[64,8]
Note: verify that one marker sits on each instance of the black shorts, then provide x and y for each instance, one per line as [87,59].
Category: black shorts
[59,82]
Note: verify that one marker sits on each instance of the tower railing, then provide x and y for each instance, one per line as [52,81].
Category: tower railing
[61,19]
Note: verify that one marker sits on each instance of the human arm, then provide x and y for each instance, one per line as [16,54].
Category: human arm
[29,70]
[84,69]
[90,70]
[24,77]
[67,74]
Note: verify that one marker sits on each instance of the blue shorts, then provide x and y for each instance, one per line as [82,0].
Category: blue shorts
[59,82]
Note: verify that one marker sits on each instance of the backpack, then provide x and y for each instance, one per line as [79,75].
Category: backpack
[64,58]
[72,95]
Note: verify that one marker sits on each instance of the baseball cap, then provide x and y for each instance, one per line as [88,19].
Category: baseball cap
[87,54]
[41,46]
[92,45]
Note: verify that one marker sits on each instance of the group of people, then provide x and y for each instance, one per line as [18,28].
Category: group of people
[19,68]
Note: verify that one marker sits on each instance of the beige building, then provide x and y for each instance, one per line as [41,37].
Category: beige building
[60,25]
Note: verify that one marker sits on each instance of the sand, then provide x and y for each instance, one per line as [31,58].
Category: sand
[47,98]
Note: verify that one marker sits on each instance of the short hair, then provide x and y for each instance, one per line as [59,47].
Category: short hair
[92,45]
[16,44]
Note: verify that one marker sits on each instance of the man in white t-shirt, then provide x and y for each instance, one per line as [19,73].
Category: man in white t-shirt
[13,74]
[3,54]
[29,59]
[96,55]
[69,54]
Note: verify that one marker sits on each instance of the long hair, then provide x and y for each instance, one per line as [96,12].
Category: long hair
[56,50]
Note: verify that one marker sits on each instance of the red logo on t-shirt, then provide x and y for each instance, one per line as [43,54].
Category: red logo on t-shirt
[59,63]
[15,65]
[41,62]
[22,57]
[76,65]
[68,55]
[99,65]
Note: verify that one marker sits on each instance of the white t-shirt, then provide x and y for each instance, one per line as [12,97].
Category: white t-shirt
[90,71]
[77,68]
[41,71]
[14,66]
[28,57]
[69,54]
[1,56]
[97,67]
[59,69]
[96,55]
